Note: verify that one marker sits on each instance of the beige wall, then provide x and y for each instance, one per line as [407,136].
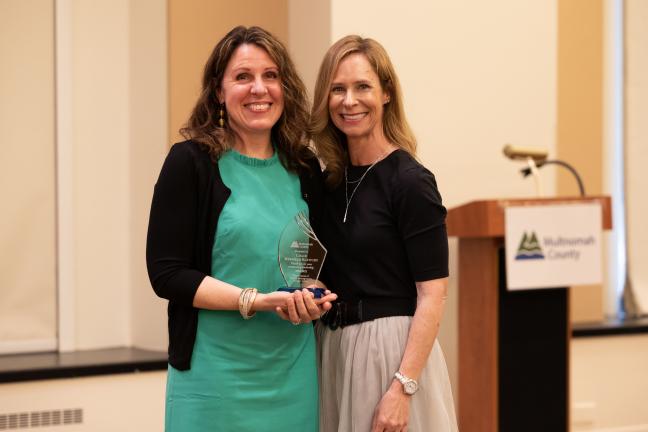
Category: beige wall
[580,119]
[580,94]
[195,26]
[636,39]
[309,36]
[27,176]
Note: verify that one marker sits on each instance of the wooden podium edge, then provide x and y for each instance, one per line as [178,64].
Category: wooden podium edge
[485,218]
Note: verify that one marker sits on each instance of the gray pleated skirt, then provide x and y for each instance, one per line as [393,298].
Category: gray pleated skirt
[356,367]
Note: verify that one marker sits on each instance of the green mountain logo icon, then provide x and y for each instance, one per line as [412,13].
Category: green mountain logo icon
[529,247]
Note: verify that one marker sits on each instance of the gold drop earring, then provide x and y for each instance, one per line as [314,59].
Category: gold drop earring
[221,115]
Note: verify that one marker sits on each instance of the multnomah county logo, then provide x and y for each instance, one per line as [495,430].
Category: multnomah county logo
[529,248]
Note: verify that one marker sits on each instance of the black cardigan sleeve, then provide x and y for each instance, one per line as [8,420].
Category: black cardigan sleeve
[172,230]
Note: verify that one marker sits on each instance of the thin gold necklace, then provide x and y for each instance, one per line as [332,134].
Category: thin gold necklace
[346,183]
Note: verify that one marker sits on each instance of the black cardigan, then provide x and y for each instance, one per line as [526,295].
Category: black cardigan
[187,201]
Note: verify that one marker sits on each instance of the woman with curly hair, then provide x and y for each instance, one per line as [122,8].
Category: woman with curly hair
[239,357]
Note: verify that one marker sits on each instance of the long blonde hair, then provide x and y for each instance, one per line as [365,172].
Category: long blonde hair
[330,142]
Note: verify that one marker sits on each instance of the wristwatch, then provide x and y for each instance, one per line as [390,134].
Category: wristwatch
[410,386]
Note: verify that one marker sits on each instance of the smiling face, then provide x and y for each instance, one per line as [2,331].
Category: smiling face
[252,93]
[356,99]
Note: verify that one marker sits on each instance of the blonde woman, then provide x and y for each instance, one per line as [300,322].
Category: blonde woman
[381,367]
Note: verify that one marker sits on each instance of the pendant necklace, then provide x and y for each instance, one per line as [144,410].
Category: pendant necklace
[347,182]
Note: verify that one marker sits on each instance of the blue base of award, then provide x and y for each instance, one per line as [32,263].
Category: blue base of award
[319,292]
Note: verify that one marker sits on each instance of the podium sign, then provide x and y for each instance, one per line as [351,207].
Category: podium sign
[553,245]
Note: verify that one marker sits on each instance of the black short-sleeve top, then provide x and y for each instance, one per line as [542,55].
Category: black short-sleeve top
[394,234]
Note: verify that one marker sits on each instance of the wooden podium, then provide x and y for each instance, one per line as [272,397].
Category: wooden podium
[513,345]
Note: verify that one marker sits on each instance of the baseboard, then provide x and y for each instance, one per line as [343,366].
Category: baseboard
[630,428]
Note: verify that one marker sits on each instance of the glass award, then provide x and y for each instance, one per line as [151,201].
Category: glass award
[301,256]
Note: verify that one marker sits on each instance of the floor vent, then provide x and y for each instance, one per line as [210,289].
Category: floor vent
[26,420]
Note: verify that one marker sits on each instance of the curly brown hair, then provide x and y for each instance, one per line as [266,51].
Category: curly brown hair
[289,134]
[331,143]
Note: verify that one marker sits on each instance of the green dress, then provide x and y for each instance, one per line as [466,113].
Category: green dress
[257,374]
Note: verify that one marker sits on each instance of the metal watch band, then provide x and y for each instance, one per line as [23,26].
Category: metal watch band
[410,386]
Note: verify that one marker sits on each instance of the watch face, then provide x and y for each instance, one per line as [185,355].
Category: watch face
[410,387]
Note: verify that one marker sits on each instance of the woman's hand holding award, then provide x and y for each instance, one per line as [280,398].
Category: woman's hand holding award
[301,256]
